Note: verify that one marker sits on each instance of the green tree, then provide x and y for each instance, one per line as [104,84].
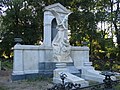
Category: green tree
[22,20]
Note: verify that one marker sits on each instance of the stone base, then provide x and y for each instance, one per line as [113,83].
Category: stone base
[88,73]
[24,76]
[73,70]
[30,76]
[45,70]
[49,67]
[70,77]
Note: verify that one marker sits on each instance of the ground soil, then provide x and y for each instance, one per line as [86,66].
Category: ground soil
[34,84]
[7,84]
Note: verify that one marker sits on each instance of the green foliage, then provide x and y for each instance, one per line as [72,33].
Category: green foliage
[83,26]
[38,78]
[7,65]
[117,87]
[24,19]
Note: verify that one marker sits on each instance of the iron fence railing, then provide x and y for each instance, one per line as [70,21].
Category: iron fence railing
[107,84]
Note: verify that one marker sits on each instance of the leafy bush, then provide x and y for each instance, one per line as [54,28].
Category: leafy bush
[7,65]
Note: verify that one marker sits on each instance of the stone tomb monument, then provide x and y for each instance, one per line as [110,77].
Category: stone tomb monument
[33,60]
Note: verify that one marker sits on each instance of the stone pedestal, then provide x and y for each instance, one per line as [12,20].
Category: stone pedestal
[80,56]
[61,68]
[89,73]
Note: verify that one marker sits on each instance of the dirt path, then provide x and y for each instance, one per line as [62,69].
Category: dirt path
[7,84]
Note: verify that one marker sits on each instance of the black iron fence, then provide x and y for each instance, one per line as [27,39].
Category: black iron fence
[108,84]
[103,86]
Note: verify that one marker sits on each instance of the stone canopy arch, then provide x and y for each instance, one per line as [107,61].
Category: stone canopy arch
[49,21]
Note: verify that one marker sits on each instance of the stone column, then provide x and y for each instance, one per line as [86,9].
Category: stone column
[18,68]
[47,28]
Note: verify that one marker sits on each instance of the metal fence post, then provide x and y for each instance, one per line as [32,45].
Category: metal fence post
[108,81]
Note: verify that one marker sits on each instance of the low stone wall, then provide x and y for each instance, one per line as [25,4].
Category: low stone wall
[31,60]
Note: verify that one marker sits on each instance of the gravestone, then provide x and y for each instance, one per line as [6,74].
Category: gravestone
[61,50]
[35,60]
[30,60]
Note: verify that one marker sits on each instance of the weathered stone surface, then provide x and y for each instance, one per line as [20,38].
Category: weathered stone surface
[69,77]
[32,60]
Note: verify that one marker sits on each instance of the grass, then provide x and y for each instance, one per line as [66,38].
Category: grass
[118,77]
[39,78]
[92,82]
[3,88]
[117,87]
[37,83]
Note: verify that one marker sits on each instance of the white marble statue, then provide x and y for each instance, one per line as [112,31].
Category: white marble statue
[60,44]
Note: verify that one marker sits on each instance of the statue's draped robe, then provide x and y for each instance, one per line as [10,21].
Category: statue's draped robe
[60,44]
